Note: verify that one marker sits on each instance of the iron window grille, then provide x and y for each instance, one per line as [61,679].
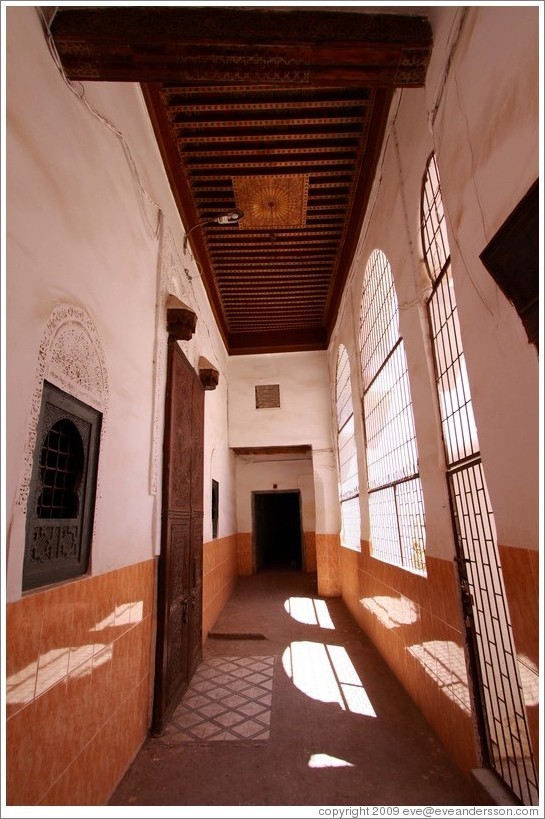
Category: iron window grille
[396,504]
[504,737]
[347,456]
[62,491]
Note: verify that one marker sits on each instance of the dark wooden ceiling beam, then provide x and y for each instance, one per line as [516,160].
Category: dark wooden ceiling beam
[329,137]
[202,107]
[234,46]
[248,343]
[248,108]
[298,449]
[231,124]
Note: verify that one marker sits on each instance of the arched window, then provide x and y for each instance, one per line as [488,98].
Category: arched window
[459,430]
[347,455]
[396,506]
[61,468]
[61,500]
[498,694]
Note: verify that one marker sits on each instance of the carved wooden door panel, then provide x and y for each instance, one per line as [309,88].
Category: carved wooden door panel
[179,596]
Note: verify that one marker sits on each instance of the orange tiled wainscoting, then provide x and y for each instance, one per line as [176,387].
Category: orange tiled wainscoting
[245,554]
[220,572]
[415,623]
[328,553]
[520,569]
[78,686]
[310,551]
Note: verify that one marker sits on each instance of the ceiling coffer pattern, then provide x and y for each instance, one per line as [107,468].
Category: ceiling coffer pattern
[278,113]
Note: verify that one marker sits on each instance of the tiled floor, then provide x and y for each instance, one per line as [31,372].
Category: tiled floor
[229,699]
[292,705]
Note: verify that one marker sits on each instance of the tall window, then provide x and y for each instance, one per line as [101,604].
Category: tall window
[347,454]
[396,505]
[505,738]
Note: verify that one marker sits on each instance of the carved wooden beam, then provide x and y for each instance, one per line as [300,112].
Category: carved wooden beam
[235,46]
[181,320]
[208,374]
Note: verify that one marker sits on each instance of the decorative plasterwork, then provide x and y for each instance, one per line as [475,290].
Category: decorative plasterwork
[71,357]
[272,202]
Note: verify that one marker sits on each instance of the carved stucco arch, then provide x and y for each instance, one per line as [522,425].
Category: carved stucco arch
[71,357]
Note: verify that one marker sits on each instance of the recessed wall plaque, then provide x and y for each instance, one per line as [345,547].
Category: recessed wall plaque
[267,396]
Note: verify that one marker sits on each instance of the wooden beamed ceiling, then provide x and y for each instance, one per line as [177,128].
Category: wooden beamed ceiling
[276,112]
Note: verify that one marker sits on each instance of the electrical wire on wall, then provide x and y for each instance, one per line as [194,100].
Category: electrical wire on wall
[143,195]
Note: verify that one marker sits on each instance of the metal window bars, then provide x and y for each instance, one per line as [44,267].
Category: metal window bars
[505,738]
[347,456]
[396,504]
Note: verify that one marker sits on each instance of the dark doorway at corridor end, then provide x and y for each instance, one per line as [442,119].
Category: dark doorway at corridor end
[277,529]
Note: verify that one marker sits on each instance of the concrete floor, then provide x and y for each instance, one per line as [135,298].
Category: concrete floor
[321,719]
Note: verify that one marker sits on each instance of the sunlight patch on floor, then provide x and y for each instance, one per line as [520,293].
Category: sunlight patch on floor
[327,761]
[310,611]
[326,673]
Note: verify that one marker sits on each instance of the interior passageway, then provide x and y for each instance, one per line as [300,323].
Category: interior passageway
[292,705]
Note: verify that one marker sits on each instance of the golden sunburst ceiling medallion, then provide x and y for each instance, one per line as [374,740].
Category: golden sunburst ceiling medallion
[272,202]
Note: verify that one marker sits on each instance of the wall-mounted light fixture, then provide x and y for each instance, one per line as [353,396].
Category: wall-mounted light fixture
[224,219]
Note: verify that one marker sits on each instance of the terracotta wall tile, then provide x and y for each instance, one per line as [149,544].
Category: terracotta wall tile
[244,553]
[414,622]
[56,637]
[22,618]
[52,734]
[219,581]
[80,717]
[310,551]
[99,704]
[84,621]
[91,644]
[104,594]
[328,565]
[520,573]
[21,787]
[523,601]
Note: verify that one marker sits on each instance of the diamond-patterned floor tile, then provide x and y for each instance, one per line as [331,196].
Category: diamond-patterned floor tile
[186,719]
[230,718]
[229,698]
[248,729]
[213,709]
[252,708]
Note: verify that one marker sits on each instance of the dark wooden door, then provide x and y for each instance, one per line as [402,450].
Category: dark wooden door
[179,603]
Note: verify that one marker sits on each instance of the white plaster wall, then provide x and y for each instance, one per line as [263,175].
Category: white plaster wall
[304,413]
[79,233]
[253,476]
[490,106]
[304,417]
[220,462]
